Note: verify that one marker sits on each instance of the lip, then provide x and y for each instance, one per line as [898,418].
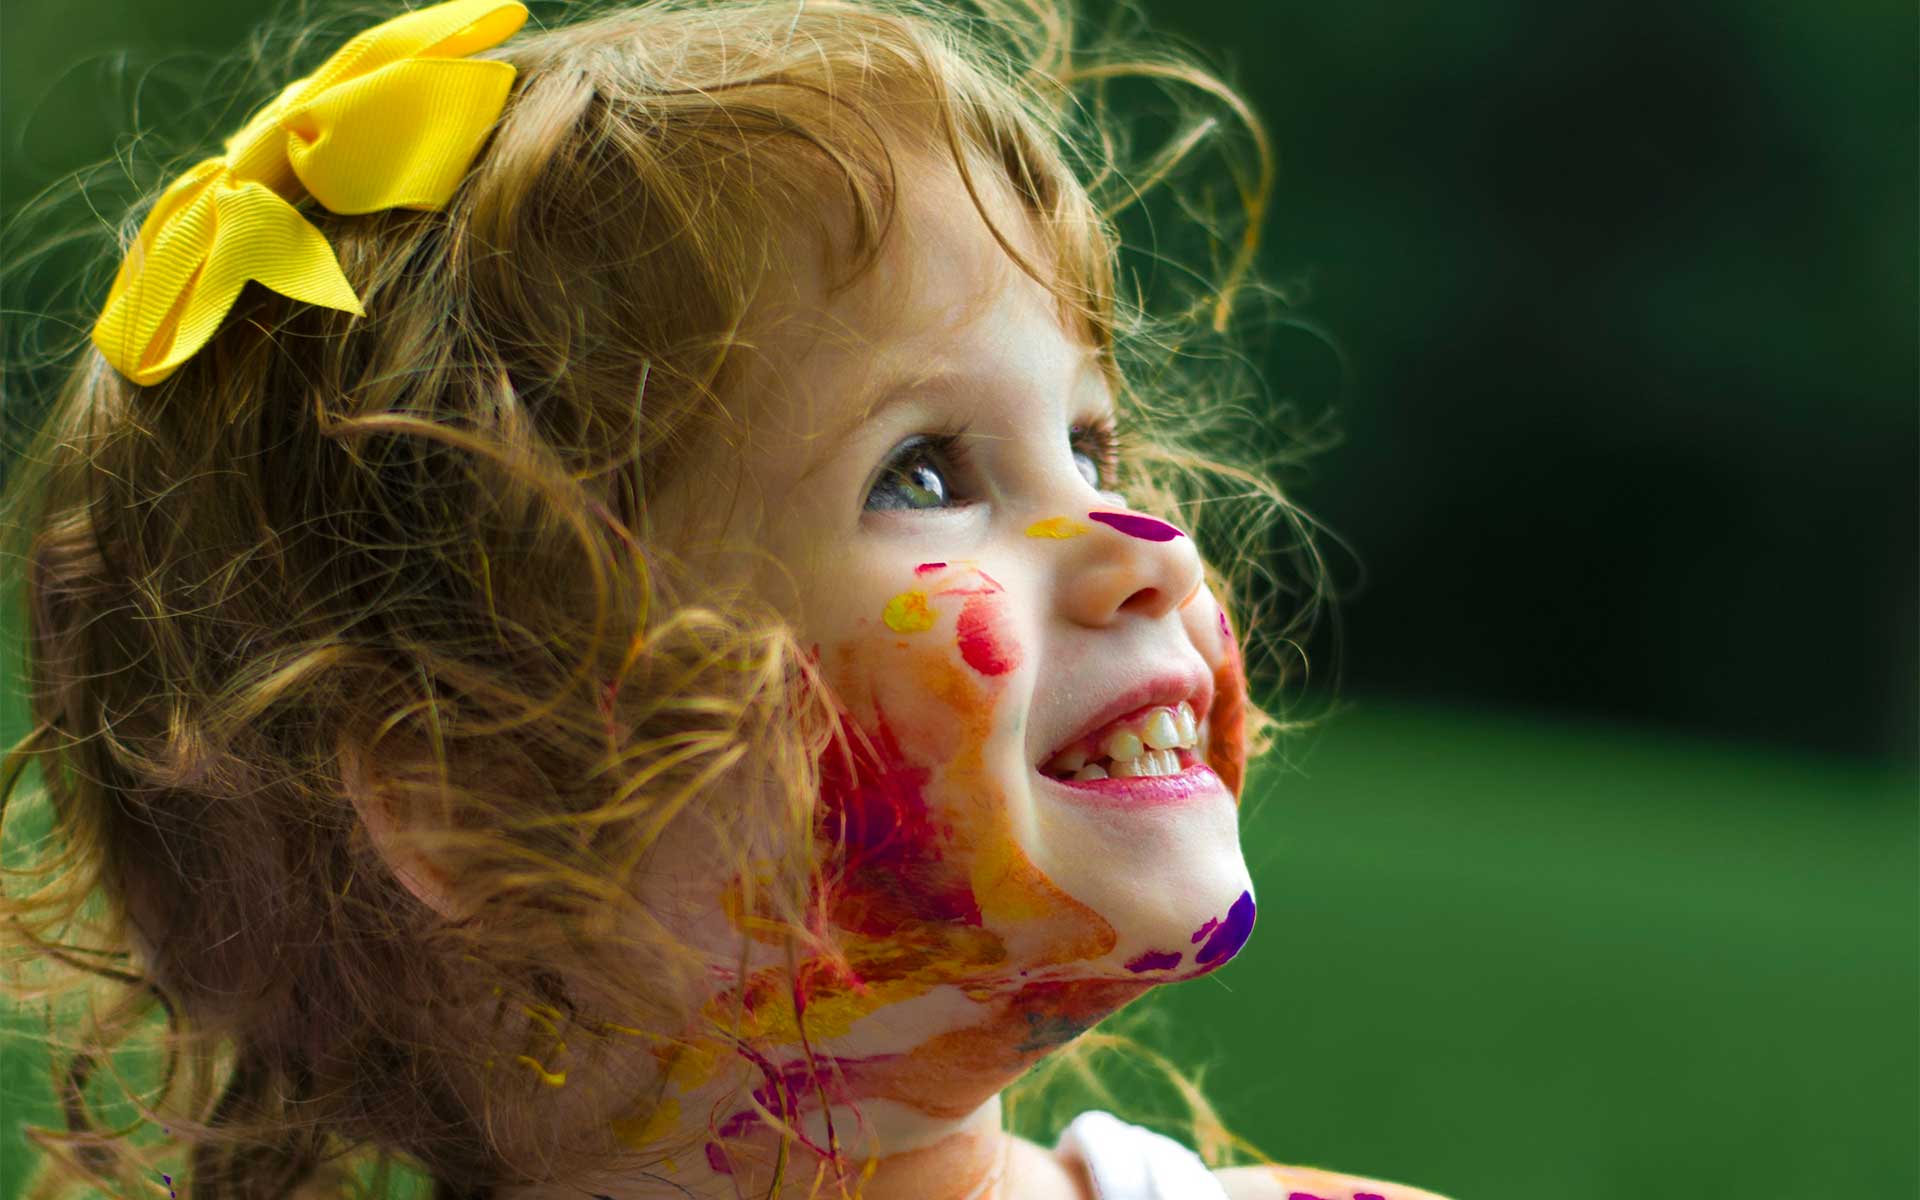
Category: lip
[1192,684]
[1144,791]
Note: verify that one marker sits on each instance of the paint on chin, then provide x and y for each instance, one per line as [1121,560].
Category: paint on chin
[1230,934]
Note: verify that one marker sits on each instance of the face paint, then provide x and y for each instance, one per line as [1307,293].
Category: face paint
[1155,960]
[1146,528]
[1058,527]
[908,613]
[925,896]
[1227,722]
[1229,935]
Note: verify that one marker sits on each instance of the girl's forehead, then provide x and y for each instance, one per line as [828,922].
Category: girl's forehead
[938,271]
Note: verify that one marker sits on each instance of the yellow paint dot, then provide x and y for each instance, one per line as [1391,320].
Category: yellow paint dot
[908,613]
[1058,527]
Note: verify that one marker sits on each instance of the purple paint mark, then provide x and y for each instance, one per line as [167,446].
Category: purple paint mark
[1232,935]
[1368,1196]
[717,1159]
[169,1180]
[923,568]
[1150,529]
[1155,960]
[1226,631]
[1212,924]
[1304,1196]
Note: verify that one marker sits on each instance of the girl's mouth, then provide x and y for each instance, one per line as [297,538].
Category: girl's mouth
[1147,790]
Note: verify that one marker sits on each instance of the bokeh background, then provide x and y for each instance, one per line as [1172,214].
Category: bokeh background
[1603,881]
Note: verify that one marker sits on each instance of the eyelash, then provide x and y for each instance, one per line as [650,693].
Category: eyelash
[1110,444]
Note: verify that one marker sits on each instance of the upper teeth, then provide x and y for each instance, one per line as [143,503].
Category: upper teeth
[1143,748]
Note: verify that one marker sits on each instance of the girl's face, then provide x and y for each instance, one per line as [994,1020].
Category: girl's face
[973,615]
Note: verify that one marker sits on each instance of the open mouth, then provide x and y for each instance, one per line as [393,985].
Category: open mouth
[1154,741]
[1160,763]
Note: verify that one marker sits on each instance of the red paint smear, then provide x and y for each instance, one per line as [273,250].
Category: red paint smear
[892,864]
[923,568]
[992,586]
[1227,723]
[1150,529]
[983,651]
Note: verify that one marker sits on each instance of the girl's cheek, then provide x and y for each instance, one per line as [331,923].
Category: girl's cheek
[942,650]
[929,672]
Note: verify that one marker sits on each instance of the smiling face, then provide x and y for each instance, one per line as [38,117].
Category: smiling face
[972,615]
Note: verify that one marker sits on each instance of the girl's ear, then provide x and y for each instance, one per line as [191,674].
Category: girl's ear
[418,873]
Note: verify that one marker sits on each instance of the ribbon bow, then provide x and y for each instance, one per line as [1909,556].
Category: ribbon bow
[392,120]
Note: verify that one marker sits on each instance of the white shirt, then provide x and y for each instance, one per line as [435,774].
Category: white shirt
[1128,1162]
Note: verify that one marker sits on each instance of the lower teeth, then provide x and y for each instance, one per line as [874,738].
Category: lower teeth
[1131,768]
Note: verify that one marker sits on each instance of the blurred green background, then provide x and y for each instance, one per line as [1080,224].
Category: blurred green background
[1609,881]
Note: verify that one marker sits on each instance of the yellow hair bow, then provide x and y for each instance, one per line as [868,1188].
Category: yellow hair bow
[392,120]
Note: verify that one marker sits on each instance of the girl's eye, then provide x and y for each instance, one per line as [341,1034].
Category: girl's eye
[914,478]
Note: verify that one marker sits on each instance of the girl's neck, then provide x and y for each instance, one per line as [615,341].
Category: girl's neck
[912,1112]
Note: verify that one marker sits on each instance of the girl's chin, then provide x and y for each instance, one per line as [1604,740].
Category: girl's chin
[1177,893]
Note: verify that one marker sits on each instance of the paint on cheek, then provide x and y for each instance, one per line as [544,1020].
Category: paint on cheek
[1155,960]
[1226,630]
[979,646]
[1211,925]
[1227,723]
[1148,529]
[894,863]
[923,568]
[908,613]
[1058,527]
[1232,933]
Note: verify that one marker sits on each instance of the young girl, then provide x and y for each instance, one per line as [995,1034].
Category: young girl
[591,621]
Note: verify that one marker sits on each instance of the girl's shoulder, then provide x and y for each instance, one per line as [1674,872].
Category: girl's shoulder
[1305,1183]
[1100,1154]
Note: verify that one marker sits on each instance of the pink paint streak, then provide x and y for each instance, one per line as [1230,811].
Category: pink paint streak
[1150,529]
